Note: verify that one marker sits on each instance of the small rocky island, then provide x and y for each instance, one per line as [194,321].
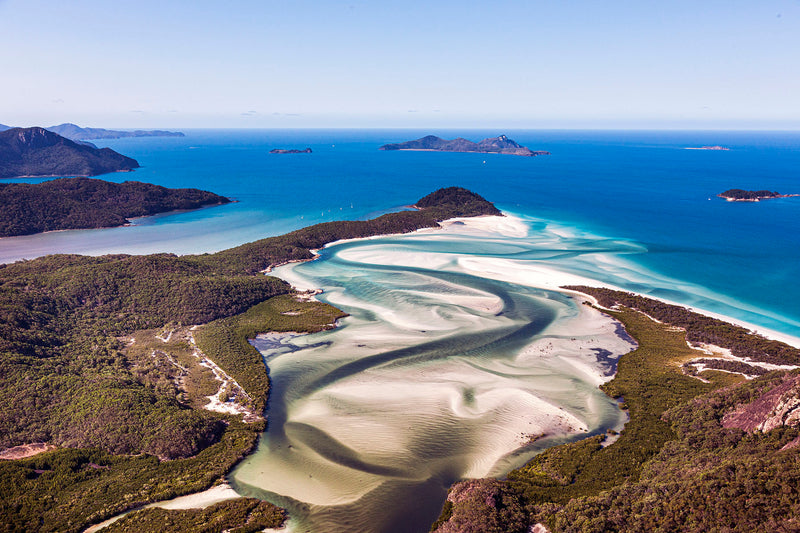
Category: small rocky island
[740,195]
[85,203]
[39,152]
[291,151]
[715,148]
[493,145]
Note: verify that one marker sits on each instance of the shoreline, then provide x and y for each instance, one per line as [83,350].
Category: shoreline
[195,500]
[552,278]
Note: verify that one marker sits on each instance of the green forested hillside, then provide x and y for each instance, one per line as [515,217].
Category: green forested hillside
[38,152]
[83,203]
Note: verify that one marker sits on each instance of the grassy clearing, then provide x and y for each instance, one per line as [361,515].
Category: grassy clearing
[225,341]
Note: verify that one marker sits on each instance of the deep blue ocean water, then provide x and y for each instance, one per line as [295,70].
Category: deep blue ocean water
[735,258]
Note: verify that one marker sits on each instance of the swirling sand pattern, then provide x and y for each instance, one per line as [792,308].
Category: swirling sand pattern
[440,373]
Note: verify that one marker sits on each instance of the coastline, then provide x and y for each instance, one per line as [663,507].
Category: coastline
[548,277]
[545,277]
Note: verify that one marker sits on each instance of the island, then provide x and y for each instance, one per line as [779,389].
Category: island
[77,133]
[717,148]
[291,151]
[741,195]
[494,145]
[29,152]
[84,203]
[107,384]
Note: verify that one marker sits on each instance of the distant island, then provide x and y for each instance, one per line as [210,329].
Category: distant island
[77,133]
[84,203]
[740,195]
[719,148]
[494,145]
[39,152]
[292,151]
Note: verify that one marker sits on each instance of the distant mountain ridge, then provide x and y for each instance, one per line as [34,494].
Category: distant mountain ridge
[39,152]
[75,132]
[492,145]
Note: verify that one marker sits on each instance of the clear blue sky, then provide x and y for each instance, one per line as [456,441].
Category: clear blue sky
[298,63]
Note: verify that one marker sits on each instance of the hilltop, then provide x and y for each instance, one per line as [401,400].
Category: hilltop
[39,152]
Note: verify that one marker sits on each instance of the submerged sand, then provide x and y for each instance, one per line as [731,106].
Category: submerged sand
[442,371]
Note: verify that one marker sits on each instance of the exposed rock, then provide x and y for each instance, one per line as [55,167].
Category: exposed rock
[780,406]
[482,506]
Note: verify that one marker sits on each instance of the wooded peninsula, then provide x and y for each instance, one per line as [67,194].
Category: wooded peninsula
[85,203]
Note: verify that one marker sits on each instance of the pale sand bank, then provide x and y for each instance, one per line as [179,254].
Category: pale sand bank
[549,277]
[199,500]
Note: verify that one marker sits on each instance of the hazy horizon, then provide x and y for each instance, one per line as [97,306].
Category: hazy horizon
[311,64]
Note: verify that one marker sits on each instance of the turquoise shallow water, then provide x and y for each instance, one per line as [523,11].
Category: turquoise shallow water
[448,365]
[644,188]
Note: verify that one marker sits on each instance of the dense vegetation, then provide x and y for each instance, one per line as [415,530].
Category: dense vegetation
[38,152]
[67,489]
[66,377]
[701,328]
[728,365]
[225,341]
[675,466]
[741,194]
[81,203]
[242,515]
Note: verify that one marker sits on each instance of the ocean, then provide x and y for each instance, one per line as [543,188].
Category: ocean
[639,189]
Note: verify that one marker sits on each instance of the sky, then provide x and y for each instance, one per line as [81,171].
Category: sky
[698,64]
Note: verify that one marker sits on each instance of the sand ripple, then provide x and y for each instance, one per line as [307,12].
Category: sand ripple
[451,363]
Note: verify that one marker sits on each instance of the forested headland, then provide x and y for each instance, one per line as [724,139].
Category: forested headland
[86,203]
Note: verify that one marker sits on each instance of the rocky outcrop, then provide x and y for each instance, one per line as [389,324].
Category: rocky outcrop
[493,145]
[480,505]
[780,406]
